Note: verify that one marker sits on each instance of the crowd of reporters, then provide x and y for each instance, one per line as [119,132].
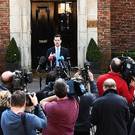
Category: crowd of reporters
[105,108]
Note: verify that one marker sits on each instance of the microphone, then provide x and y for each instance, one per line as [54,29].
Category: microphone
[42,60]
[61,58]
[51,58]
[69,63]
[62,62]
[41,63]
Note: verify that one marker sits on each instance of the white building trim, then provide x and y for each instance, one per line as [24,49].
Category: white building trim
[20,28]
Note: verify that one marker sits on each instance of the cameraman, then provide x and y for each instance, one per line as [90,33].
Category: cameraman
[61,111]
[6,81]
[83,126]
[122,87]
[15,121]
[48,89]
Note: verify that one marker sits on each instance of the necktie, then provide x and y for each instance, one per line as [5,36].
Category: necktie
[57,56]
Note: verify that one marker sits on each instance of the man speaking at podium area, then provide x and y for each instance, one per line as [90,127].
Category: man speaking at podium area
[57,55]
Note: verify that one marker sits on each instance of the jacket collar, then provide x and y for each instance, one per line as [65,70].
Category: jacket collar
[110,91]
[114,73]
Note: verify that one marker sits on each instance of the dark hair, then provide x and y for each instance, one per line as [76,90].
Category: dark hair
[116,65]
[51,76]
[60,88]
[18,98]
[58,35]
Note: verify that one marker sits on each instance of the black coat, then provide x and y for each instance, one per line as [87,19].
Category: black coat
[85,104]
[63,52]
[110,113]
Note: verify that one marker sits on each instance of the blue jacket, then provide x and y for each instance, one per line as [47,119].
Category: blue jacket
[12,124]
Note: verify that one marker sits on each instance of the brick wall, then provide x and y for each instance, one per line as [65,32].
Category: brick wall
[104,33]
[122,25]
[4,31]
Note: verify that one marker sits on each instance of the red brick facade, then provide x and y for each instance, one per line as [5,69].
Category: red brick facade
[123,25]
[4,30]
[104,32]
[116,27]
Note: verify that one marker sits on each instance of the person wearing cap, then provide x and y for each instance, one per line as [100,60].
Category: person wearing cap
[110,113]
[6,81]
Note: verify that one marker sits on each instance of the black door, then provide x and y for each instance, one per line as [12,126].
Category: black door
[49,18]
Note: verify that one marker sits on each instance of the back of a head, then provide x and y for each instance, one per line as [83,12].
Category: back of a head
[7,77]
[18,98]
[51,76]
[60,88]
[4,98]
[116,65]
[109,84]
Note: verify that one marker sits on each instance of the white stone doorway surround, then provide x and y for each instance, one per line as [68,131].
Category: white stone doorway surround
[20,28]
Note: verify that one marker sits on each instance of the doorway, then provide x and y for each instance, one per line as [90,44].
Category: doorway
[49,17]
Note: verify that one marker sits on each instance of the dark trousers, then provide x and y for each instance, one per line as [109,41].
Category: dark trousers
[82,133]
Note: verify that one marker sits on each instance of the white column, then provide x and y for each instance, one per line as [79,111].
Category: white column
[82,30]
[20,28]
[86,11]
[92,16]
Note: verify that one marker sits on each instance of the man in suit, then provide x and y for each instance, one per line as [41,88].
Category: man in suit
[57,55]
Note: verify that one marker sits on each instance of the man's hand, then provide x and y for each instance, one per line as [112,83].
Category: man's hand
[34,99]
[91,77]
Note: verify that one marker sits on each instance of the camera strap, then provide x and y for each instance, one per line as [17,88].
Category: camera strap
[23,122]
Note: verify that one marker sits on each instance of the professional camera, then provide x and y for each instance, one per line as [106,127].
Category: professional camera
[20,79]
[84,71]
[75,88]
[128,68]
[28,100]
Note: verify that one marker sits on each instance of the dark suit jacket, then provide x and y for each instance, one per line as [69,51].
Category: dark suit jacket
[110,113]
[63,52]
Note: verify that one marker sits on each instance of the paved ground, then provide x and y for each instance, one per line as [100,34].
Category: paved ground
[35,85]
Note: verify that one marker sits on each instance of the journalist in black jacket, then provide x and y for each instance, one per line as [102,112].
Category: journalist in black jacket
[82,126]
[110,113]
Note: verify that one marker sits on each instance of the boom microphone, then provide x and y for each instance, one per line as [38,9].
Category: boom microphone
[42,60]
[41,63]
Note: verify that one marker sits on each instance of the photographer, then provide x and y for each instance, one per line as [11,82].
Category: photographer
[122,87]
[82,126]
[61,111]
[48,89]
[6,81]
[15,121]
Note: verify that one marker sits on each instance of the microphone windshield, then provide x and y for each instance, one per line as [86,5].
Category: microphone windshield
[42,60]
[61,58]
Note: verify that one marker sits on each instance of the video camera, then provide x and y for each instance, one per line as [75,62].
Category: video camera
[20,79]
[84,71]
[128,68]
[75,88]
